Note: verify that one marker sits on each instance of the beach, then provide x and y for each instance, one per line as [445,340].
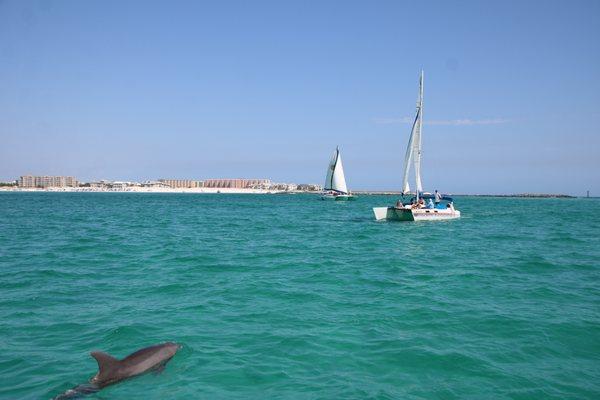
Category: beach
[134,189]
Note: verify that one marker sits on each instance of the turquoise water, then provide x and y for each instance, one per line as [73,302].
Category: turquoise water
[288,297]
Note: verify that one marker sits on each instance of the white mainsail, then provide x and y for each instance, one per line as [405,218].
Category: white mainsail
[407,159]
[335,179]
[413,150]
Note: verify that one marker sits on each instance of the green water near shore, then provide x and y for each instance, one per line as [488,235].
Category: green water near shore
[289,297]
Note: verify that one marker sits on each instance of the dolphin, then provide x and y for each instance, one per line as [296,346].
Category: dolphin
[112,370]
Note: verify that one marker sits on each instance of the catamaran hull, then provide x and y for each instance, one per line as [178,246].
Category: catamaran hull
[340,197]
[407,214]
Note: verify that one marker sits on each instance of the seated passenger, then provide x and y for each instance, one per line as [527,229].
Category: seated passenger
[429,204]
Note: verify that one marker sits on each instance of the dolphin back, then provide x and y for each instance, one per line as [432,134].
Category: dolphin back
[112,370]
[107,366]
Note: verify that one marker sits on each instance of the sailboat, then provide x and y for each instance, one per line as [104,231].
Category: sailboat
[417,209]
[335,182]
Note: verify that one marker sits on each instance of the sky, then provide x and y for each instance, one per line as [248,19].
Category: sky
[138,90]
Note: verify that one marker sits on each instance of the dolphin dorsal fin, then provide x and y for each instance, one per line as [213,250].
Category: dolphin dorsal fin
[107,364]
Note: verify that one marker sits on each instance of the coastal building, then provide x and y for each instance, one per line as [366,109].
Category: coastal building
[103,184]
[237,183]
[26,181]
[309,187]
[154,184]
[285,187]
[118,185]
[181,183]
[29,181]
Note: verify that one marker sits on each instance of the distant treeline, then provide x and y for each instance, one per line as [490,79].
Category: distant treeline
[529,195]
[532,195]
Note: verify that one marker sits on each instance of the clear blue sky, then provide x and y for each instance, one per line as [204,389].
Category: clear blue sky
[136,90]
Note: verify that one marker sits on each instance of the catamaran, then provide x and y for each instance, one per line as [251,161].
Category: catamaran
[335,182]
[417,209]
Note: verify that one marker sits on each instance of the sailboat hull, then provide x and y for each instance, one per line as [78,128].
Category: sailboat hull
[408,214]
[340,197]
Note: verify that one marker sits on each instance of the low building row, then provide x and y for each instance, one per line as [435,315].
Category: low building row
[237,183]
[182,183]
[30,181]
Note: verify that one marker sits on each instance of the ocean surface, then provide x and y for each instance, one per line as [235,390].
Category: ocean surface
[290,297]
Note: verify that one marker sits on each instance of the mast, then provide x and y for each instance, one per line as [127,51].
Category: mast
[417,140]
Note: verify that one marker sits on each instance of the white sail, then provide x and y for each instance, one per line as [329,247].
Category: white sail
[330,168]
[339,180]
[335,179]
[408,157]
[413,149]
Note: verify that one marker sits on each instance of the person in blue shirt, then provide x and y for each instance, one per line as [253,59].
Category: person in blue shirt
[429,204]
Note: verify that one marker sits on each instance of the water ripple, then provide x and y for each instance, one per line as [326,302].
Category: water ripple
[290,297]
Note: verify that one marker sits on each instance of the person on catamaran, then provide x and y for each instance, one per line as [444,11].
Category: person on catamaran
[438,198]
[429,203]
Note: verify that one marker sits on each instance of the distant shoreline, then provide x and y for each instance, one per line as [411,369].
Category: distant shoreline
[140,190]
[258,191]
[526,195]
[520,195]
